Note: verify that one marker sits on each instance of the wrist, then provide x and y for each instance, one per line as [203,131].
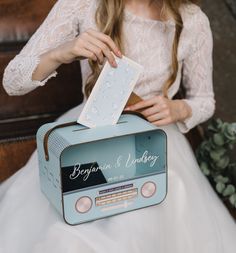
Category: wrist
[54,56]
[185,110]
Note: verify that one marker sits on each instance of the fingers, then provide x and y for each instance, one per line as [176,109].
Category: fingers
[106,44]
[93,45]
[158,116]
[151,110]
[95,50]
[106,39]
[88,54]
[103,50]
[160,111]
[144,103]
[162,122]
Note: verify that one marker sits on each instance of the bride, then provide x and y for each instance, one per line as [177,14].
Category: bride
[172,39]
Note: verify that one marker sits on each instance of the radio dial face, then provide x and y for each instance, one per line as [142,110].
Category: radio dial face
[148,189]
[84,204]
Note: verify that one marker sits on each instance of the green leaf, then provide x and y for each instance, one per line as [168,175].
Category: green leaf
[230,132]
[220,187]
[204,168]
[214,155]
[215,125]
[230,137]
[229,190]
[221,179]
[224,126]
[231,129]
[223,162]
[218,123]
[232,199]
[218,139]
[212,145]
[234,126]
[221,151]
[204,145]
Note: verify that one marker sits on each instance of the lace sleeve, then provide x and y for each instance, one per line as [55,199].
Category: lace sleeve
[197,75]
[60,25]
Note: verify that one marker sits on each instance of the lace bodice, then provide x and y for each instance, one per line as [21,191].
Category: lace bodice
[147,41]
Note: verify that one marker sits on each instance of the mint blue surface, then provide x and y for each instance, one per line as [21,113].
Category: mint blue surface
[131,136]
[129,147]
[72,217]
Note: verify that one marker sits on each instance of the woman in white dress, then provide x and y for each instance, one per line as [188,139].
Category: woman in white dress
[165,37]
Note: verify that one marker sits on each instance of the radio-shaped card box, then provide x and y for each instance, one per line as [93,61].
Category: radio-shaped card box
[92,173]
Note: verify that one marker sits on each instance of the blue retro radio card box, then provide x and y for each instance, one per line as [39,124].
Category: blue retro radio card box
[92,173]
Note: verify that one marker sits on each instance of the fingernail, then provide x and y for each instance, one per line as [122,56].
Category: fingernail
[119,53]
[114,64]
[127,108]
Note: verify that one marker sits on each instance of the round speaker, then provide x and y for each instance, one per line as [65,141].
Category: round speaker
[83,204]
[148,189]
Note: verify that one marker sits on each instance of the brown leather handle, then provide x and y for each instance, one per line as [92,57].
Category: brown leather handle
[46,136]
[73,123]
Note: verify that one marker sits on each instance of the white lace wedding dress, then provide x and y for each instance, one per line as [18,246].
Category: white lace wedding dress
[192,218]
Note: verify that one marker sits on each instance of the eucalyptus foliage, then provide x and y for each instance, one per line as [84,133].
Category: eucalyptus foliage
[216,158]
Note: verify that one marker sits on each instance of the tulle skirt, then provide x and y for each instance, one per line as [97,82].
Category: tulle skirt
[191,219]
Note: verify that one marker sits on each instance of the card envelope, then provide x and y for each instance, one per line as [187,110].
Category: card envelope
[110,93]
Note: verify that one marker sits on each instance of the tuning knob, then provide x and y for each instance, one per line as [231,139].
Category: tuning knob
[148,189]
[83,204]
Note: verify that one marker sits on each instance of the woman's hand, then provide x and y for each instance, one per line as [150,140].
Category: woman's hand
[90,44]
[162,111]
